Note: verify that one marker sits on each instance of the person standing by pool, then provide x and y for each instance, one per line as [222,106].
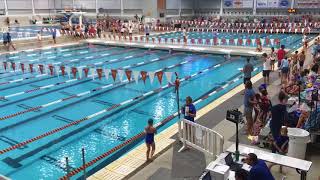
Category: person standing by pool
[150,131]
[247,70]
[9,41]
[189,110]
[284,70]
[54,35]
[272,58]
[184,33]
[147,31]
[249,102]
[266,68]
[280,55]
[302,58]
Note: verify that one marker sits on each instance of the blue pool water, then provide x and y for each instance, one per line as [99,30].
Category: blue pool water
[26,31]
[292,41]
[45,158]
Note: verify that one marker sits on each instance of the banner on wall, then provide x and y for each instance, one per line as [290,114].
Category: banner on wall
[307,3]
[228,3]
[262,4]
[238,3]
[247,3]
[284,3]
[273,3]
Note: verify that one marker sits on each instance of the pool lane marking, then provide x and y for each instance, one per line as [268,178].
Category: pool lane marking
[42,48]
[45,59]
[40,75]
[48,52]
[90,76]
[74,96]
[141,134]
[95,114]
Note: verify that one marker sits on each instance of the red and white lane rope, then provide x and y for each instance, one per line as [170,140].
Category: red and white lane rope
[77,95]
[89,58]
[141,134]
[74,60]
[89,76]
[100,112]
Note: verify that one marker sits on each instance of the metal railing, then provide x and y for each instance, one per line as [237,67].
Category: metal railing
[200,137]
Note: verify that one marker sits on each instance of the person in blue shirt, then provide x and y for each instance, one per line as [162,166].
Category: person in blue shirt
[281,144]
[284,70]
[189,110]
[259,169]
[249,101]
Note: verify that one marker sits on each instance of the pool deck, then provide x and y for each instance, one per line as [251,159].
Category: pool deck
[169,164]
[233,50]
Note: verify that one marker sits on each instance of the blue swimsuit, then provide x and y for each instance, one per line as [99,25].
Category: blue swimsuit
[149,138]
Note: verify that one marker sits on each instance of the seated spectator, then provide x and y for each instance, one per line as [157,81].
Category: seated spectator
[279,115]
[292,88]
[259,170]
[280,145]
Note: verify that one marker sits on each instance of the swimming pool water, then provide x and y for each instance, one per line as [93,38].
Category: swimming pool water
[292,41]
[45,158]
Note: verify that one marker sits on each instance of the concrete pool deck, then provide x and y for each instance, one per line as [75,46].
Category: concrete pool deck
[169,164]
[233,50]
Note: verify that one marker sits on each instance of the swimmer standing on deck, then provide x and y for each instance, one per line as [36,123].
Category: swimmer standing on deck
[150,131]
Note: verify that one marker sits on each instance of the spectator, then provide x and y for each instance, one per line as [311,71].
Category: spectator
[302,58]
[280,55]
[279,115]
[39,37]
[266,68]
[259,170]
[99,30]
[9,41]
[281,144]
[54,35]
[249,96]
[150,131]
[265,106]
[284,70]
[272,58]
[247,70]
[189,110]
[130,31]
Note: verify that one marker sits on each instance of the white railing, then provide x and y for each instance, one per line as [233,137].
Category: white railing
[200,138]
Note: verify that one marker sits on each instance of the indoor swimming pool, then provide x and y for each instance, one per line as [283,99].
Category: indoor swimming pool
[292,41]
[56,116]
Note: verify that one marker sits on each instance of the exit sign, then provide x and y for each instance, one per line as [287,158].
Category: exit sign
[292,10]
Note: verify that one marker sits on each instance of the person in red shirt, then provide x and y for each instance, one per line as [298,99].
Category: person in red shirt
[280,55]
[92,31]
